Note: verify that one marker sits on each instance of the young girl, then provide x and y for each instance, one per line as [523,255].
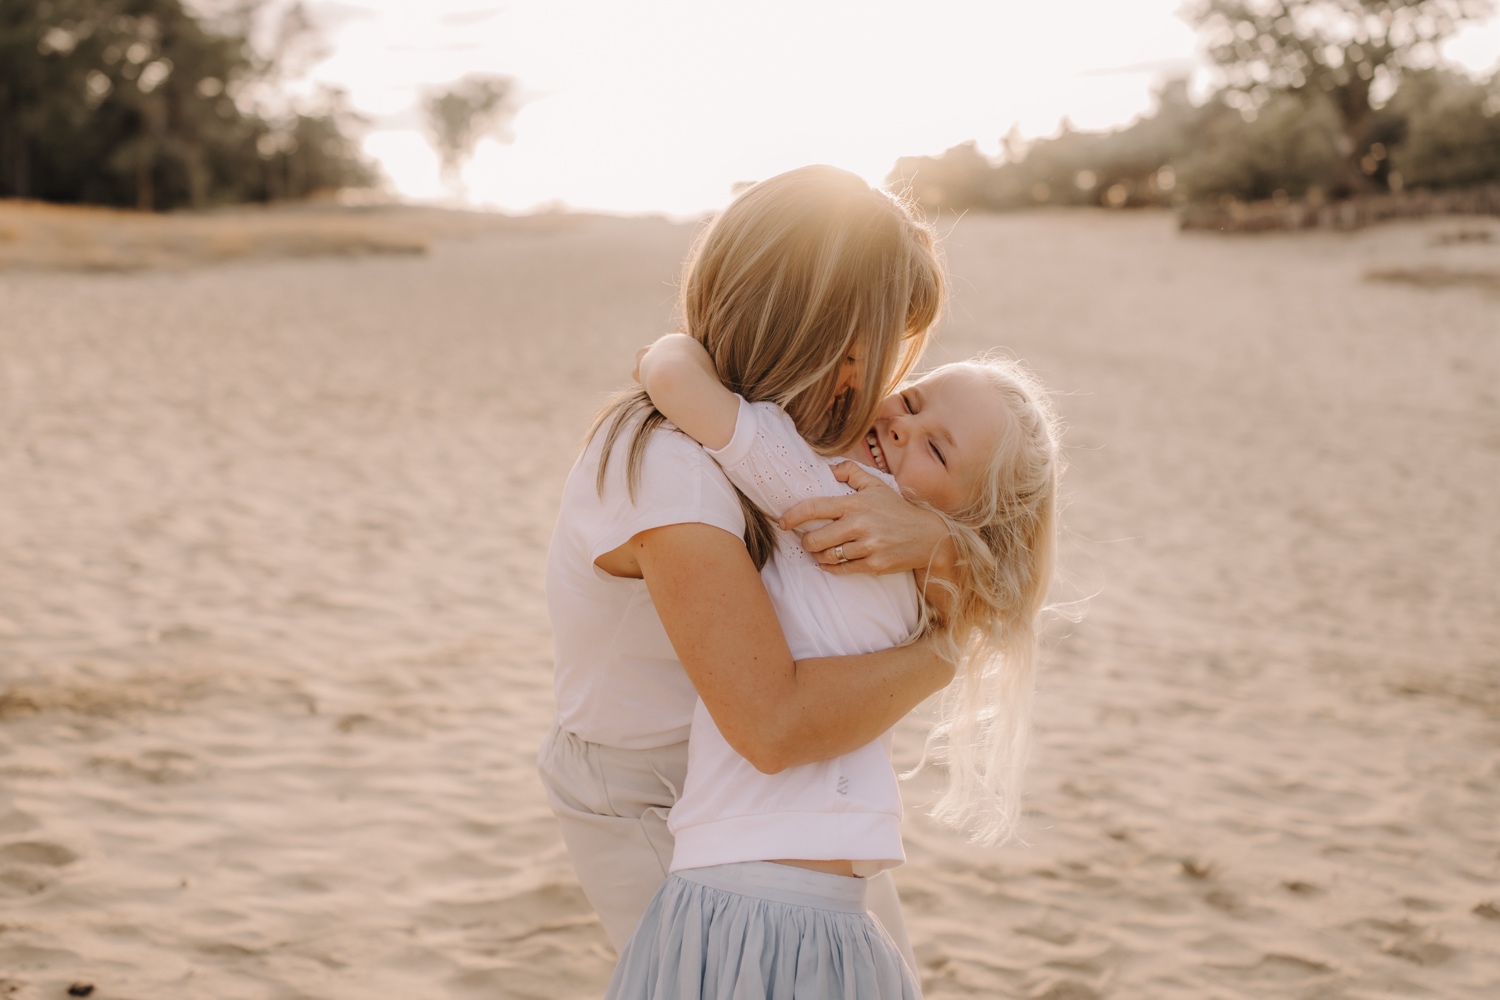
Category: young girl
[766,897]
[816,291]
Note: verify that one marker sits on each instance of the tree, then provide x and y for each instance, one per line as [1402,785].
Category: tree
[155,104]
[956,181]
[1451,130]
[1130,166]
[1350,51]
[457,118]
[44,49]
[1286,151]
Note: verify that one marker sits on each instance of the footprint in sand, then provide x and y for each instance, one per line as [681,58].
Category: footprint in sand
[1420,950]
[1275,968]
[1406,940]
[26,866]
[1063,989]
[38,852]
[156,767]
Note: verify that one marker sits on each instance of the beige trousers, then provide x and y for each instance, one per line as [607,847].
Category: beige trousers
[612,806]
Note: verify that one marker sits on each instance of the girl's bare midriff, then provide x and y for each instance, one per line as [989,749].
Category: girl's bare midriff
[844,868]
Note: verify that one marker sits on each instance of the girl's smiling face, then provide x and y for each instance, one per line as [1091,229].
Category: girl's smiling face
[936,435]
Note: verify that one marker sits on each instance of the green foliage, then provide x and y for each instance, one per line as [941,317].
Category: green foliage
[1269,46]
[1130,166]
[957,181]
[1290,147]
[1452,135]
[144,103]
[1296,118]
[1441,129]
[1344,51]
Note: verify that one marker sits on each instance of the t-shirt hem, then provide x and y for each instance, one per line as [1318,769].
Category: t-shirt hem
[660,518]
[739,443]
[809,836]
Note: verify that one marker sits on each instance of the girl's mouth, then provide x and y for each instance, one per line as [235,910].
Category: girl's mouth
[872,442]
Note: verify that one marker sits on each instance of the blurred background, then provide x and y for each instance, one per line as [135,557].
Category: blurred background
[666,106]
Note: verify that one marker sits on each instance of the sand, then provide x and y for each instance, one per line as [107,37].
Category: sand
[274,657]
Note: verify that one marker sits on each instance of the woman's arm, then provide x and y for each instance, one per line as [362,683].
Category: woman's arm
[774,711]
[679,376]
[880,531]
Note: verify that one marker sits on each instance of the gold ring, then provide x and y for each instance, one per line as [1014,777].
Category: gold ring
[838,553]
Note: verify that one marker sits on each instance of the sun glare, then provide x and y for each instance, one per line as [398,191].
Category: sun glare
[409,162]
[664,106]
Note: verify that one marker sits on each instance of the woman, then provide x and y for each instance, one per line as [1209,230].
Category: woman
[813,291]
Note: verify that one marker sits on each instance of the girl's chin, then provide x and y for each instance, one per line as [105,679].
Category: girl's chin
[864,454]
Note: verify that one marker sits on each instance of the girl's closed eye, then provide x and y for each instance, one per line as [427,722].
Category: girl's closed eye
[938,452]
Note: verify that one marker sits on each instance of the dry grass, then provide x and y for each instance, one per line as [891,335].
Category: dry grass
[34,235]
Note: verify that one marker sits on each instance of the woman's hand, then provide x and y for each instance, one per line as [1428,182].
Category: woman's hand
[875,530]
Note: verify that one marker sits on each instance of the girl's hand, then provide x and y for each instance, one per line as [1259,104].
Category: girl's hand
[879,531]
[640,355]
[678,347]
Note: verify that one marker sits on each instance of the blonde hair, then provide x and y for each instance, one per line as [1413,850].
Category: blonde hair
[785,283]
[1006,538]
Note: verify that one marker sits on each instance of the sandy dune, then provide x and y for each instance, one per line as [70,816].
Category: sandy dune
[274,658]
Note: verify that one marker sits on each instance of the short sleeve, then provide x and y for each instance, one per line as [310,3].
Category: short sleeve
[679,484]
[771,463]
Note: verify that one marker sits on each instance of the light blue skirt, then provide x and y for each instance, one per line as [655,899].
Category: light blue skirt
[760,931]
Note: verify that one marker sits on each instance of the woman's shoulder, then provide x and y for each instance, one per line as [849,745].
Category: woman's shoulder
[668,449]
[671,464]
[675,482]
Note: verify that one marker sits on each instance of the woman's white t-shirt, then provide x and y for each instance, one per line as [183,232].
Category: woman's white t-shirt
[846,808]
[617,680]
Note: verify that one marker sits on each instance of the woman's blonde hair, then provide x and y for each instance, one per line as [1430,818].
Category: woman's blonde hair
[800,272]
[1006,538]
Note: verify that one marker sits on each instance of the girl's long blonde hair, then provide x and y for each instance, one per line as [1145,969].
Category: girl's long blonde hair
[1006,537]
[798,273]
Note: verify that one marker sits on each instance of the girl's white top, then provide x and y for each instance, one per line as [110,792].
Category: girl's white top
[617,680]
[847,808]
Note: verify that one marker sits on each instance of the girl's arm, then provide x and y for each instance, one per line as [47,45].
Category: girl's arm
[679,376]
[878,530]
[774,711]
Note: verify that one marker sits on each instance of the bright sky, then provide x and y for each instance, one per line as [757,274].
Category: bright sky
[662,105]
